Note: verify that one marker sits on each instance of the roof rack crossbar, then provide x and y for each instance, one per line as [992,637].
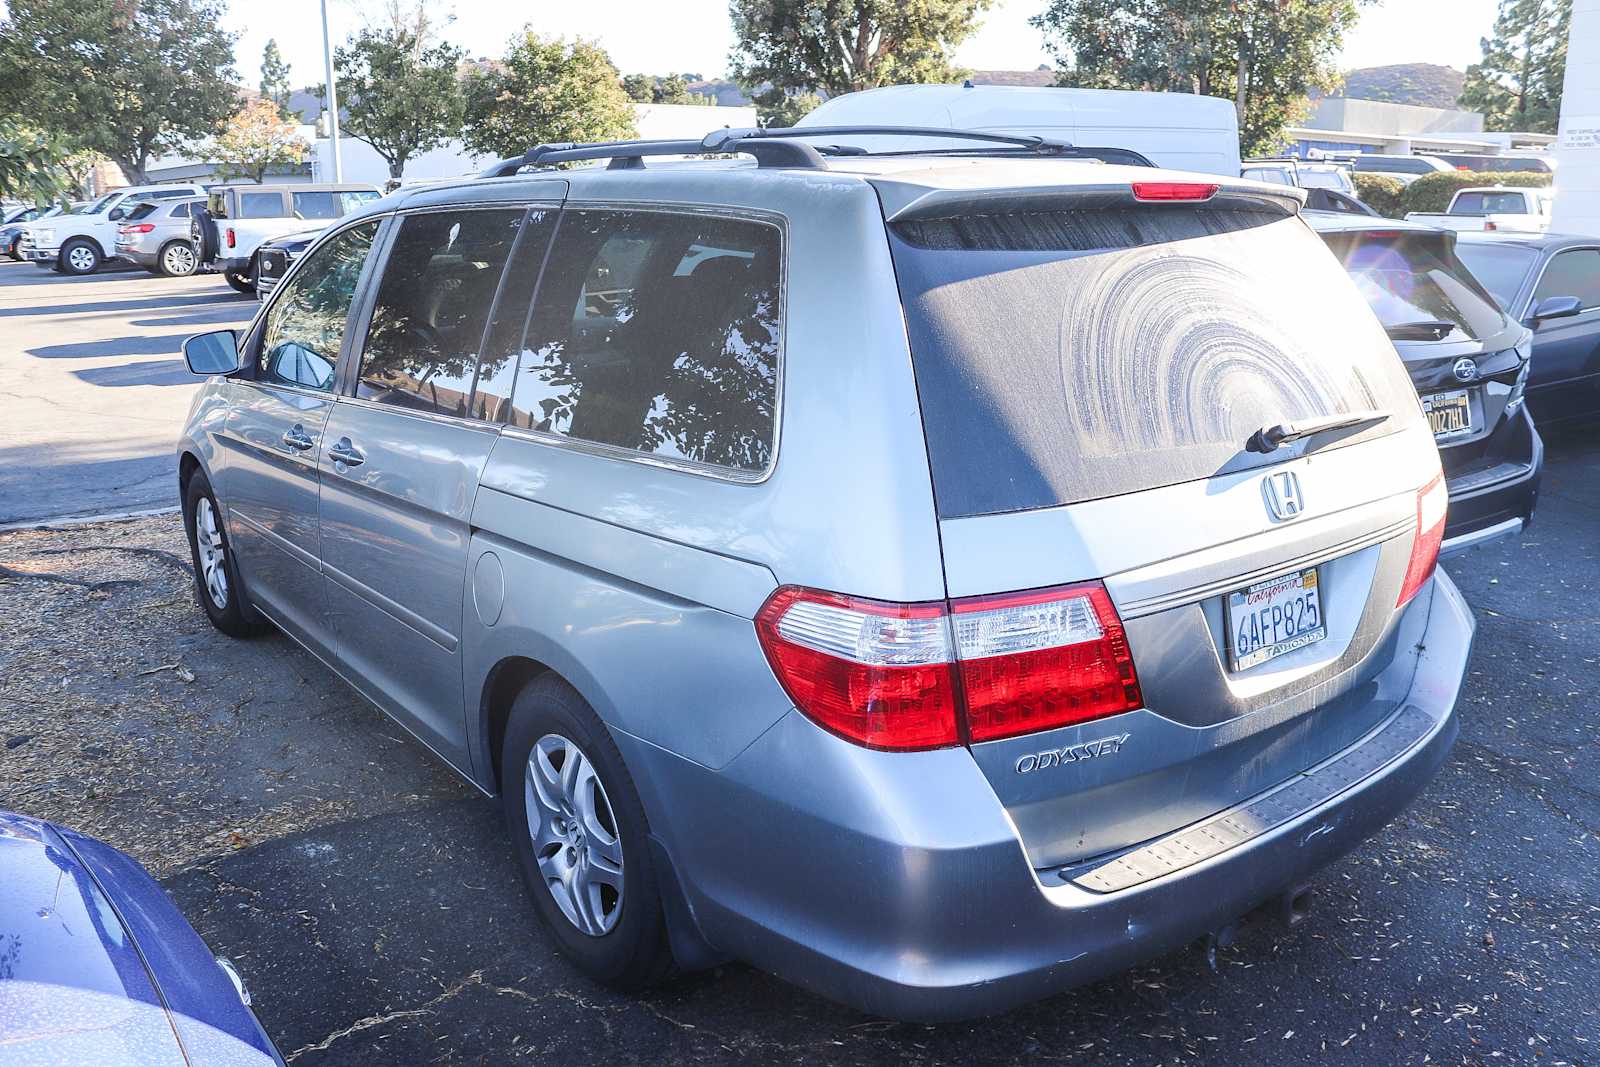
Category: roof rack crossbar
[1043,145]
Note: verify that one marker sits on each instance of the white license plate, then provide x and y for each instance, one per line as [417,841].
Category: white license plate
[1450,414]
[1274,617]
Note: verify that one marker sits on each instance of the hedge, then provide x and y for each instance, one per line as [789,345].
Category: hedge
[1380,192]
[1433,192]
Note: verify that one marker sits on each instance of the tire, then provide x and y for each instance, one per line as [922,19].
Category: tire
[244,283]
[176,259]
[216,576]
[14,249]
[620,938]
[80,256]
[204,235]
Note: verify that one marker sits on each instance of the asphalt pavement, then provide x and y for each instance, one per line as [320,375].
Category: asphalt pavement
[370,901]
[93,386]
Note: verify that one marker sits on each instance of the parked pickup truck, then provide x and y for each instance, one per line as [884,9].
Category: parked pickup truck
[81,242]
[1492,207]
[238,218]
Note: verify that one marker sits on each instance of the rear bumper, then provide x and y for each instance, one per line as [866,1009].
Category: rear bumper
[896,884]
[1494,496]
[136,255]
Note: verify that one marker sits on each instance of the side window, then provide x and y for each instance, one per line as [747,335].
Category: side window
[1575,273]
[180,211]
[497,367]
[320,205]
[305,325]
[657,332]
[438,286]
[260,205]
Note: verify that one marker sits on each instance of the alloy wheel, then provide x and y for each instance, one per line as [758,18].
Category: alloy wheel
[576,840]
[213,553]
[178,259]
[80,258]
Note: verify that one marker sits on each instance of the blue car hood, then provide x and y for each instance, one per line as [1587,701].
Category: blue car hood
[76,984]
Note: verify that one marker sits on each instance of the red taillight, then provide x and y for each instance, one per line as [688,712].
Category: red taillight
[885,675]
[231,241]
[138,227]
[1433,502]
[1174,191]
[1489,226]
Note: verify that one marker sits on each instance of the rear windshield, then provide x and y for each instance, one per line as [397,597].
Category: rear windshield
[139,211]
[1413,278]
[1499,268]
[1062,356]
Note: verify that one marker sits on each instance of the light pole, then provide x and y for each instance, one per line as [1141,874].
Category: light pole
[333,97]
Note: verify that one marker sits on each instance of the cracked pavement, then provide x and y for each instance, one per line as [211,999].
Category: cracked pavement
[370,901]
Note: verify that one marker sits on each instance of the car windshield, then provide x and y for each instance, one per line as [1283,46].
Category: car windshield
[1499,268]
[99,205]
[1411,278]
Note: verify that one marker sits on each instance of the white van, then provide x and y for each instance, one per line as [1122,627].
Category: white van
[1180,131]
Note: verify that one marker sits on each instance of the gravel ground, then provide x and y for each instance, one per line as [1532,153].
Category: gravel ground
[370,901]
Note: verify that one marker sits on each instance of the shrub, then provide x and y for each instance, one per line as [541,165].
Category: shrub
[1432,192]
[1380,192]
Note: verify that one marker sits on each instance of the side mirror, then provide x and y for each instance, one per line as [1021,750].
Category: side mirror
[211,353]
[1555,307]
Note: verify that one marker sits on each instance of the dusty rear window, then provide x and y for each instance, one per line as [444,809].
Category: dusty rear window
[1064,356]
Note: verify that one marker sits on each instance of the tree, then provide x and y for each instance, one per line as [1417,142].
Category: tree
[257,139]
[782,110]
[545,90]
[275,78]
[33,167]
[1517,85]
[1264,55]
[131,81]
[836,47]
[399,94]
[641,88]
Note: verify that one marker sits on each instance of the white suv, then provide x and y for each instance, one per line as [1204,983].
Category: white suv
[81,242]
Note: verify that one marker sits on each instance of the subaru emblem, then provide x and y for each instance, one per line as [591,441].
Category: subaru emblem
[1283,496]
[1465,370]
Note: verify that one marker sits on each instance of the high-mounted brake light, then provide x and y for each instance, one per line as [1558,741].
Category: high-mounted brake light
[1433,502]
[1169,191]
[928,675]
[231,239]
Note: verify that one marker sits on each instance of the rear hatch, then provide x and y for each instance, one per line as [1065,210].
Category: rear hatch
[1467,358]
[1092,365]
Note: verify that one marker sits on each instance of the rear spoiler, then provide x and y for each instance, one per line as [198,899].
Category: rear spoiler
[922,203]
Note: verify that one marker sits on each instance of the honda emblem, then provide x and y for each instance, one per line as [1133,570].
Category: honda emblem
[1283,496]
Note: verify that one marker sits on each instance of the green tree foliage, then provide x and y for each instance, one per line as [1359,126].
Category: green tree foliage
[257,139]
[1517,84]
[840,46]
[130,81]
[400,95]
[546,90]
[33,167]
[1264,55]
[1433,192]
[641,88]
[672,89]
[1380,192]
[275,78]
[780,109]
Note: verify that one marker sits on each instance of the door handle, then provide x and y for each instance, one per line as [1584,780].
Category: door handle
[297,439]
[346,453]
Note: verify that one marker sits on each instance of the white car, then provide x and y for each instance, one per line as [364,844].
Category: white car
[237,219]
[1492,208]
[81,242]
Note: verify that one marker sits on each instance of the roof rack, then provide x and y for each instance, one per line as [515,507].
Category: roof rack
[780,147]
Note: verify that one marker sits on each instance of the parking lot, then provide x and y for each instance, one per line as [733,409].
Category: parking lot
[370,901]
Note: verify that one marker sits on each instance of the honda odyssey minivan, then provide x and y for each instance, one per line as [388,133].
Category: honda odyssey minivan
[939,577]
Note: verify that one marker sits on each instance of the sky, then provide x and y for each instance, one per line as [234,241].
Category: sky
[694,36]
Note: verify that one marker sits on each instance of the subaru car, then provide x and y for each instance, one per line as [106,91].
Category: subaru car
[1468,359]
[939,577]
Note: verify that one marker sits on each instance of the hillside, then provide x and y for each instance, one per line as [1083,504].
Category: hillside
[1422,84]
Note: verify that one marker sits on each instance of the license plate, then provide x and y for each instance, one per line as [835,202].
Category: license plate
[1274,617]
[1450,414]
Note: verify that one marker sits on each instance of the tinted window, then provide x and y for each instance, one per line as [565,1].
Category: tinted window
[1498,268]
[1063,356]
[1414,278]
[138,211]
[305,325]
[260,205]
[329,205]
[497,369]
[1575,273]
[180,211]
[427,323]
[1489,204]
[659,333]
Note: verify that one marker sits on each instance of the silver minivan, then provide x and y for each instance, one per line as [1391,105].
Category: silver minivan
[939,578]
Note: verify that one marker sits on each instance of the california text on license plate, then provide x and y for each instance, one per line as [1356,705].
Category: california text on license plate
[1274,617]
[1450,414]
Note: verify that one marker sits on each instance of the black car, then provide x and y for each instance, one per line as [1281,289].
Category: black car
[275,257]
[1468,359]
[1550,283]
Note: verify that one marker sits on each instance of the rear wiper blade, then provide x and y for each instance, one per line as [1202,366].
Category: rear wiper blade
[1424,330]
[1269,438]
